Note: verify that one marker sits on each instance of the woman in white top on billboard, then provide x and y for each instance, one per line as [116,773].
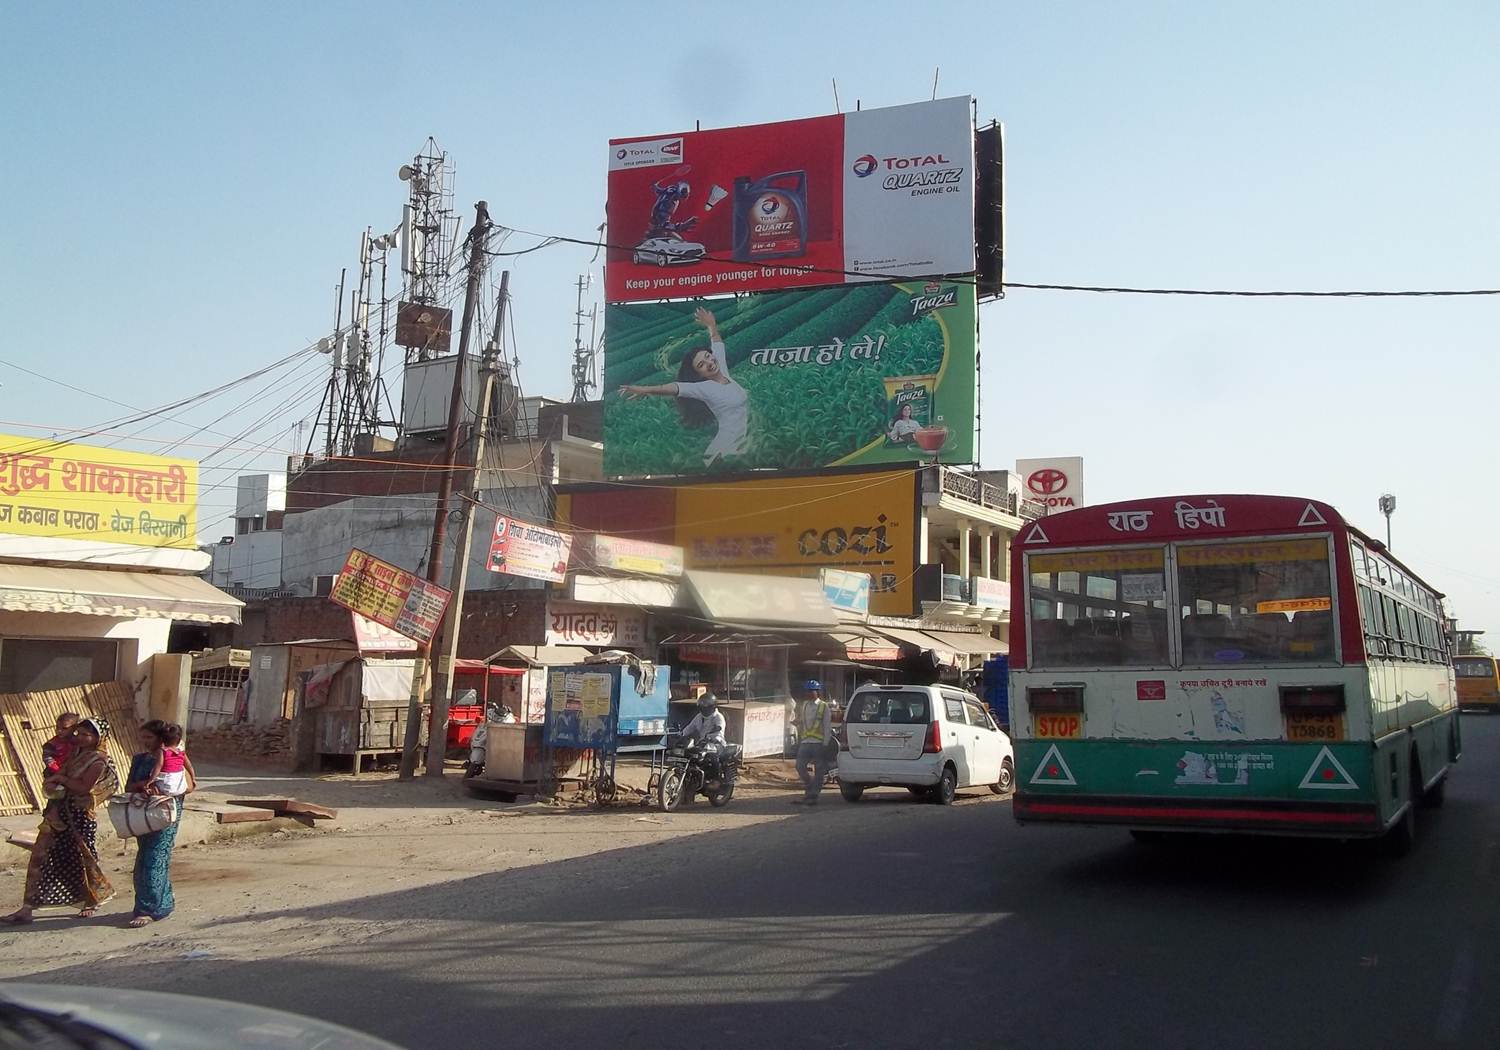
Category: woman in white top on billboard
[705,393]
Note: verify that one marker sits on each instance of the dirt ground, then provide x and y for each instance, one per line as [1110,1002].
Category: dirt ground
[388,836]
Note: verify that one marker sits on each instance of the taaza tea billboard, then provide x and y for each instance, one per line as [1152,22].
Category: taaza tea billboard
[878,194]
[859,374]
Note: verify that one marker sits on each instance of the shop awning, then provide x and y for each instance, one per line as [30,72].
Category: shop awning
[945,641]
[540,655]
[973,644]
[749,598]
[123,595]
[906,636]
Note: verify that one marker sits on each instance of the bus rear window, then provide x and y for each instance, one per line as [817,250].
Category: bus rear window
[1265,601]
[1474,667]
[1098,608]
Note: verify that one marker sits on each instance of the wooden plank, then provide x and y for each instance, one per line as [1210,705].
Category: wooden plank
[284,807]
[231,814]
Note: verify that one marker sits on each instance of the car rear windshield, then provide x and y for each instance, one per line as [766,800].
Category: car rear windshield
[897,707]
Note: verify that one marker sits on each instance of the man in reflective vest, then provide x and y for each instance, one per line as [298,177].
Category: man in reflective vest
[816,723]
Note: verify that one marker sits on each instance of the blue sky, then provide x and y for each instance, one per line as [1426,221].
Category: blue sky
[185,182]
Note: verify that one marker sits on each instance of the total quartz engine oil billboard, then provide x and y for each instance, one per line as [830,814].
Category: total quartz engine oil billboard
[878,194]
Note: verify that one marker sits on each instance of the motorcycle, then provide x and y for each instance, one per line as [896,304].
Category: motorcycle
[691,769]
[479,742]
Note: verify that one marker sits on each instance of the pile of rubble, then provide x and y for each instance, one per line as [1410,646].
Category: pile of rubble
[243,741]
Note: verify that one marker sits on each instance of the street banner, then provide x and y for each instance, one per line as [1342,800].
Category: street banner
[859,374]
[372,637]
[877,194]
[390,596]
[59,490]
[518,548]
[625,554]
[584,623]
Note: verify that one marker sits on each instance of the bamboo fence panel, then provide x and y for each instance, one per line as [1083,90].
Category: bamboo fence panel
[30,719]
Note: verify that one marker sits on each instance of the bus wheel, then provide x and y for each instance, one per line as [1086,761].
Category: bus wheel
[1433,796]
[1402,838]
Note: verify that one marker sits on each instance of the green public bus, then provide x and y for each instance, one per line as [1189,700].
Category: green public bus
[1226,663]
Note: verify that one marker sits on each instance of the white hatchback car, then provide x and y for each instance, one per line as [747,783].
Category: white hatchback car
[930,739]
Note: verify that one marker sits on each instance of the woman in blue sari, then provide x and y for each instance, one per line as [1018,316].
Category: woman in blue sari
[153,858]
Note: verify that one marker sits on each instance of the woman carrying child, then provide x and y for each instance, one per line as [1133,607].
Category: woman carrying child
[162,768]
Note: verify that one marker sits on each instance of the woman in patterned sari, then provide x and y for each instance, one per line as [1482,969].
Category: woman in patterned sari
[153,857]
[64,869]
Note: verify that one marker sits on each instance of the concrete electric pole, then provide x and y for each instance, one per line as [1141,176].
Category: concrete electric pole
[477,238]
[458,577]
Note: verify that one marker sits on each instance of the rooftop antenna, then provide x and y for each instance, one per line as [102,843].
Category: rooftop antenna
[584,381]
[836,108]
[935,71]
[428,234]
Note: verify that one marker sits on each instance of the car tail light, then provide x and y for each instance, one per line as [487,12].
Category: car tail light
[1312,699]
[934,742]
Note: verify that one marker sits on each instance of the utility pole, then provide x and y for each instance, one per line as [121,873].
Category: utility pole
[458,577]
[477,237]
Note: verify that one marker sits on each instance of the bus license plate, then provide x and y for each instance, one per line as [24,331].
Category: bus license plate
[1304,729]
[1057,727]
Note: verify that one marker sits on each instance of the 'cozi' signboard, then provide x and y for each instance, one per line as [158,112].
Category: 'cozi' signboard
[788,525]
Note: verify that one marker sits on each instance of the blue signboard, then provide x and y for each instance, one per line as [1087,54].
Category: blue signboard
[847,591]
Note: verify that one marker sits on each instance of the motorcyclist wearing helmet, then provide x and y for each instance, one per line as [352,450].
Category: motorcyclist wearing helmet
[707,726]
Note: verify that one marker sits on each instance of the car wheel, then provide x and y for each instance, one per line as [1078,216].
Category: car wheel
[1007,780]
[851,792]
[946,788]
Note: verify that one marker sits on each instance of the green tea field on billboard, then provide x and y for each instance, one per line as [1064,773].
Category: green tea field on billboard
[861,374]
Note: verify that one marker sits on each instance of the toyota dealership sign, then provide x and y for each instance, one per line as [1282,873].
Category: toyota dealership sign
[1055,483]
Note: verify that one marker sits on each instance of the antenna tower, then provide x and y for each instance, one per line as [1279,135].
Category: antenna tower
[585,380]
[428,233]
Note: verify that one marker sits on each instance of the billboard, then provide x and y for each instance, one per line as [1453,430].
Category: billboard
[1056,483]
[876,194]
[858,374]
[518,548]
[59,490]
[390,596]
[788,525]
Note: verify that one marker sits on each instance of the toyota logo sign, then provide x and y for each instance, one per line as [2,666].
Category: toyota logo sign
[1047,482]
[1055,482]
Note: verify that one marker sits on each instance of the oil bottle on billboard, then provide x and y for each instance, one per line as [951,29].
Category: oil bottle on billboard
[770,216]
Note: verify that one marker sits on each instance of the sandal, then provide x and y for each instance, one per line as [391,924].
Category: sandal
[88,913]
[17,918]
[140,922]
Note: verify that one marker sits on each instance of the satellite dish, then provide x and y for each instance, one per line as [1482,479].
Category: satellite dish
[405,172]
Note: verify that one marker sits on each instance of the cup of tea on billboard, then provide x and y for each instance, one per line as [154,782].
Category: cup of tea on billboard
[932,438]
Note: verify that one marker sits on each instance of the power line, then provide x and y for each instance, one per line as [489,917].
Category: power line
[548,240]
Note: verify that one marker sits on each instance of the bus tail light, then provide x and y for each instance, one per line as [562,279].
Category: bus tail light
[933,744]
[1055,699]
[1312,699]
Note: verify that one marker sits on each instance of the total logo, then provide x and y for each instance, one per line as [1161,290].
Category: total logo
[922,174]
[645,154]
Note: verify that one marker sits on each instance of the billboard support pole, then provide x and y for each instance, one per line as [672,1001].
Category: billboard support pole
[477,238]
[458,576]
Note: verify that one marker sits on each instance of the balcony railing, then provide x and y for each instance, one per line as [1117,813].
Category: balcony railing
[970,489]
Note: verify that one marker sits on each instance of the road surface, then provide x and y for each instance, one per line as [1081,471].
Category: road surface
[894,924]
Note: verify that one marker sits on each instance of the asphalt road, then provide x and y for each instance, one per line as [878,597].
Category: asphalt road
[894,924]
